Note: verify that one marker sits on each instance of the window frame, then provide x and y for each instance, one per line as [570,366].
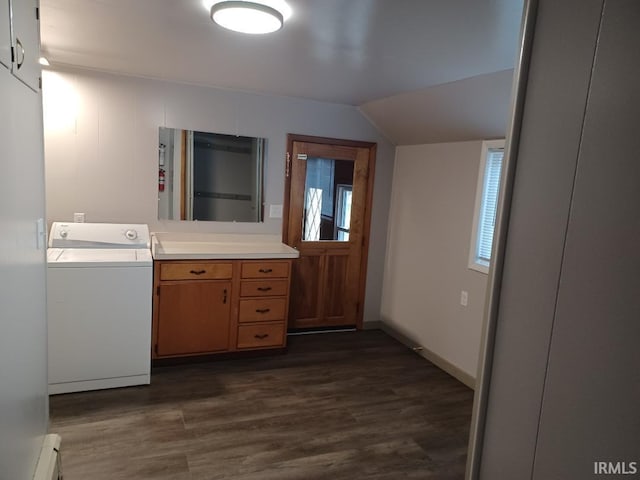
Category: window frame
[341,190]
[475,262]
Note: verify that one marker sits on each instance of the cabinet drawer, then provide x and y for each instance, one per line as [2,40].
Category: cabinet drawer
[263,288]
[256,336]
[195,271]
[265,269]
[262,310]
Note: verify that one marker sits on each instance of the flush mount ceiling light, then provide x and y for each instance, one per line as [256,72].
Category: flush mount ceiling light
[246,17]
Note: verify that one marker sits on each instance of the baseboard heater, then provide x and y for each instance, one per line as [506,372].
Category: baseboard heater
[49,463]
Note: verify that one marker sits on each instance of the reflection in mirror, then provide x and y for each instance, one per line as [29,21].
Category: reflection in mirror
[327,199]
[209,176]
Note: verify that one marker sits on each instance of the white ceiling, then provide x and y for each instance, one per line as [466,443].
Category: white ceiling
[469,109]
[343,51]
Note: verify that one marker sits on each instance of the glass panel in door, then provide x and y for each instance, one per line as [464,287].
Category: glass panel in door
[327,199]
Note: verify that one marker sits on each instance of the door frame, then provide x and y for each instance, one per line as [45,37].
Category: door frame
[292,137]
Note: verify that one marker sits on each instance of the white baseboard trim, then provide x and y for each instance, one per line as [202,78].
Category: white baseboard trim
[372,325]
[434,358]
[48,464]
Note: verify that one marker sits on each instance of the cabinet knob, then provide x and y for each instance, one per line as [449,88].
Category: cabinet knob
[197,272]
[265,270]
[262,310]
[264,289]
[261,336]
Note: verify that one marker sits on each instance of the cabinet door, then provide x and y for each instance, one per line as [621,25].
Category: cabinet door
[193,317]
[26,41]
[23,336]
[5,34]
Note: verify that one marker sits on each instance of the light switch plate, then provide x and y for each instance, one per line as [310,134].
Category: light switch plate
[464,298]
[275,211]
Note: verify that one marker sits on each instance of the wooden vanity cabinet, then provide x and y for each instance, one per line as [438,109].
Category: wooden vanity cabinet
[213,306]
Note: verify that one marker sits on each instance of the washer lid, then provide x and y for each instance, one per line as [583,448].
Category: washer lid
[99,235]
[98,257]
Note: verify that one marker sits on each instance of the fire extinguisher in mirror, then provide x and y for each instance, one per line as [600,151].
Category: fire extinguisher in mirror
[161,178]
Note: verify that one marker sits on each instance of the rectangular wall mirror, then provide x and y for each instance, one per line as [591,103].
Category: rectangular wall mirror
[209,176]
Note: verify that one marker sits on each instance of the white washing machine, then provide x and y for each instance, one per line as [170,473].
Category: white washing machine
[99,295]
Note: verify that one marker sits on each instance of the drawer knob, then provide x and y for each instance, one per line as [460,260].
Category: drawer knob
[265,270]
[264,289]
[197,272]
[262,310]
[261,336]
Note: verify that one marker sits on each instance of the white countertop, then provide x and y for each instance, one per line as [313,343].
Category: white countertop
[209,246]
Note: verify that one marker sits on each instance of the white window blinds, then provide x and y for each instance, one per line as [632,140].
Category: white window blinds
[487,214]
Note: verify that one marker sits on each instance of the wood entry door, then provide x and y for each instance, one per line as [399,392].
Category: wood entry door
[329,185]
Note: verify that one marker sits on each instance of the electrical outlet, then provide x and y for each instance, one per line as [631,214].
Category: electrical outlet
[78,217]
[464,298]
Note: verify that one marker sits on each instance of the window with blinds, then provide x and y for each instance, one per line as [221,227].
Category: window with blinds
[486,205]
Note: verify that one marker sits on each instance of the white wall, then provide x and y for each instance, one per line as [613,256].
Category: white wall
[101,149]
[434,188]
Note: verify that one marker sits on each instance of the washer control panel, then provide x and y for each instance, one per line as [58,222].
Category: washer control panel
[99,235]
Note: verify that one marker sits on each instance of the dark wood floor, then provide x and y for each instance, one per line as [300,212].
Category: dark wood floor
[336,406]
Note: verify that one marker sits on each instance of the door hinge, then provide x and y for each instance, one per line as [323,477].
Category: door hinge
[37,13]
[363,240]
[357,308]
[158,290]
[40,83]
[287,168]
[13,54]
[155,348]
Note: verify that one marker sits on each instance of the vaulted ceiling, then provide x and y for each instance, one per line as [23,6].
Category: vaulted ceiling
[405,63]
